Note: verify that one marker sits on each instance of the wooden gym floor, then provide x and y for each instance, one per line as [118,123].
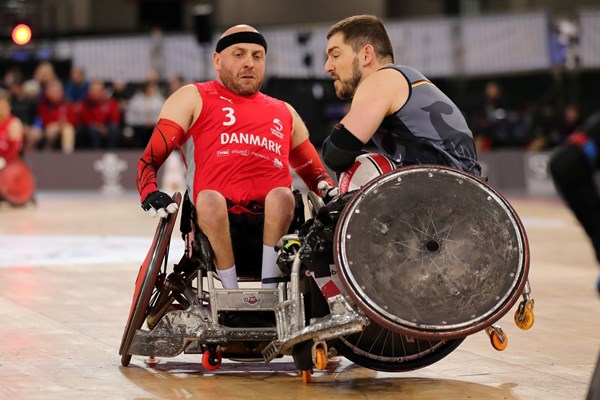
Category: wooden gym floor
[67,269]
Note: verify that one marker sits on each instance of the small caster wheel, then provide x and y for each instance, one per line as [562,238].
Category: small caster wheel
[151,361]
[320,358]
[306,375]
[524,315]
[211,360]
[498,338]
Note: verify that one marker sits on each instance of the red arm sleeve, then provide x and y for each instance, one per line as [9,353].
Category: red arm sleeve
[165,137]
[307,164]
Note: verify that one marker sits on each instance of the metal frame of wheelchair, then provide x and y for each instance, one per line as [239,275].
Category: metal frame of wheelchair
[180,309]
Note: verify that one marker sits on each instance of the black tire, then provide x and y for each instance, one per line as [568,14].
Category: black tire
[381,349]
[145,285]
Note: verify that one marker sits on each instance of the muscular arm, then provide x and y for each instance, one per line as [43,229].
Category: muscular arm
[378,96]
[175,119]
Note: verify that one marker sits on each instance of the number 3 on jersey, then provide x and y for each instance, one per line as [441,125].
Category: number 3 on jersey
[229,115]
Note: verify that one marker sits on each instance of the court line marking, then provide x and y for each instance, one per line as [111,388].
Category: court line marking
[73,250]
[47,250]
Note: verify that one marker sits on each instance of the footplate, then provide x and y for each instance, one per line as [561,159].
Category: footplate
[177,329]
[343,320]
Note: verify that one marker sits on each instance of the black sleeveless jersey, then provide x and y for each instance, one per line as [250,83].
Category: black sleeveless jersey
[428,129]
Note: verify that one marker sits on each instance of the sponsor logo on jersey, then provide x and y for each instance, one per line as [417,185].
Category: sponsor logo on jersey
[244,153]
[251,139]
[222,153]
[277,129]
[260,155]
[277,162]
[226,99]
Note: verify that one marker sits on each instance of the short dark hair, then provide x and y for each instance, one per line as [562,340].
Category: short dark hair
[360,30]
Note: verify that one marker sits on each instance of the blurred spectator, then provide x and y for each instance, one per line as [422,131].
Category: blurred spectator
[570,122]
[121,93]
[11,75]
[175,82]
[550,130]
[43,74]
[100,118]
[496,124]
[24,107]
[58,118]
[77,86]
[142,113]
[484,115]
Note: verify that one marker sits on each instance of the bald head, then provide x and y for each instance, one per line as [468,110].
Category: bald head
[238,28]
[240,34]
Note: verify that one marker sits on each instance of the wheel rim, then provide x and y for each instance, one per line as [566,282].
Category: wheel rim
[408,232]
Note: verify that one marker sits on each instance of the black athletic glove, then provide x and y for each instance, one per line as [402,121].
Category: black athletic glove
[159,203]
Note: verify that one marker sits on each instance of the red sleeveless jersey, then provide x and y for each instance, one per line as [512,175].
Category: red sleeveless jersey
[5,144]
[239,145]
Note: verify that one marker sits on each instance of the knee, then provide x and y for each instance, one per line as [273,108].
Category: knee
[211,208]
[281,201]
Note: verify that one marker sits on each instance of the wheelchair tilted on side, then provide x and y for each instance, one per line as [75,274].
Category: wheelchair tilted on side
[419,258]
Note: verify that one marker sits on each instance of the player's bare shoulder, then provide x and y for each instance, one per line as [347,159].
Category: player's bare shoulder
[183,106]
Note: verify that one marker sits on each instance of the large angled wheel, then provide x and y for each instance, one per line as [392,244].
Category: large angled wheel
[431,252]
[381,349]
[146,291]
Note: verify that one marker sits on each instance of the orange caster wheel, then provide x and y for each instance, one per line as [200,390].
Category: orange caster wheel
[524,315]
[211,360]
[498,338]
[306,375]
[320,358]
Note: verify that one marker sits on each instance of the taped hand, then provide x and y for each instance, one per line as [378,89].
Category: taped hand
[159,203]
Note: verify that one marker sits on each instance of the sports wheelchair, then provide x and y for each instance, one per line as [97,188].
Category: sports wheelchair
[421,257]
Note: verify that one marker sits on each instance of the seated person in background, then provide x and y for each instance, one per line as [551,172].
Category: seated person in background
[142,113]
[77,86]
[58,118]
[100,118]
[237,144]
[24,106]
[11,132]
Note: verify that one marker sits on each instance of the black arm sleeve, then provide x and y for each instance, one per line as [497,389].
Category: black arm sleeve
[341,148]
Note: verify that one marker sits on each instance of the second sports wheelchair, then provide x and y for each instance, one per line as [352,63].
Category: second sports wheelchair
[419,258]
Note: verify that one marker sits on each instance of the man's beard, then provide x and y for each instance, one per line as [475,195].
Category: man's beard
[348,87]
[230,82]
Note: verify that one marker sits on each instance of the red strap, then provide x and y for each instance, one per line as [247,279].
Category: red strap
[307,164]
[578,138]
[165,137]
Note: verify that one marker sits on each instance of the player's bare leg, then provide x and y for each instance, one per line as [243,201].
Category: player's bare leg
[211,208]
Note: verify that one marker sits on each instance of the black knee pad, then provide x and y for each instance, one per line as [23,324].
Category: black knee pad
[568,164]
